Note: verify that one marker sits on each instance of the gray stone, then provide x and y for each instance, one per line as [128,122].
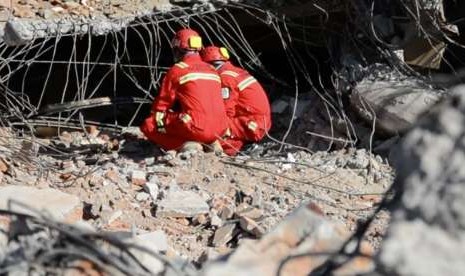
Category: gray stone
[155,242]
[142,196]
[152,189]
[224,234]
[138,177]
[51,201]
[215,220]
[150,161]
[360,160]
[182,204]
[397,104]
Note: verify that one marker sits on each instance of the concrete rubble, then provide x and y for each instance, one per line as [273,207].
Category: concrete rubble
[179,203]
[305,230]
[58,205]
[275,209]
[427,232]
[395,102]
[204,206]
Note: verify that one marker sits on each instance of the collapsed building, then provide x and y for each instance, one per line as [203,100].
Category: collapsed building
[341,74]
[65,60]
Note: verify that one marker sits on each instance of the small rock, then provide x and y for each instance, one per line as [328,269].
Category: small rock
[138,178]
[149,161]
[114,216]
[200,219]
[182,204]
[223,235]
[227,212]
[3,166]
[155,242]
[253,213]
[152,189]
[257,198]
[215,220]
[96,180]
[80,164]
[360,160]
[67,165]
[142,196]
[251,226]
[113,175]
[242,208]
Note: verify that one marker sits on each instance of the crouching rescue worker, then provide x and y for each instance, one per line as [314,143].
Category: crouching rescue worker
[188,109]
[246,102]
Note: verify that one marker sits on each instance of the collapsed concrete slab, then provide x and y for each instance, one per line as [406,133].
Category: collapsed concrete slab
[427,232]
[59,205]
[396,104]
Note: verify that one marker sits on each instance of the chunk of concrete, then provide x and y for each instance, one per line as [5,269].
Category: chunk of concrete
[59,205]
[138,178]
[155,242]
[427,231]
[182,204]
[224,234]
[303,231]
[152,189]
[397,104]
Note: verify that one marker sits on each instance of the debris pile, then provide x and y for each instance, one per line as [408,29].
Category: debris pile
[426,234]
[207,205]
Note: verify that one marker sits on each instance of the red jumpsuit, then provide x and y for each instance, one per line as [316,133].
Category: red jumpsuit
[195,87]
[247,107]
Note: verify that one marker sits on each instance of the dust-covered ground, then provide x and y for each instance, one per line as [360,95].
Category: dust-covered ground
[203,202]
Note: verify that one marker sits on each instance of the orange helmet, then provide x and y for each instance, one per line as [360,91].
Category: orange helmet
[213,53]
[187,39]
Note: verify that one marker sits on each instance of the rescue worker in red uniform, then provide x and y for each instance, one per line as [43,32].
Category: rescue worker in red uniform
[194,87]
[247,105]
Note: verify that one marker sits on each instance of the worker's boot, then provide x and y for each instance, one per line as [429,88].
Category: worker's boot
[214,147]
[190,146]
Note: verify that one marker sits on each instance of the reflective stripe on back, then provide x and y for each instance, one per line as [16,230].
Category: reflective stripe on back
[230,73]
[182,65]
[198,76]
[245,83]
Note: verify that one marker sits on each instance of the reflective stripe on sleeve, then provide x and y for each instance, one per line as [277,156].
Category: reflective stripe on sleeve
[245,83]
[198,76]
[159,116]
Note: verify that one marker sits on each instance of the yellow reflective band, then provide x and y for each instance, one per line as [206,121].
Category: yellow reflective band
[224,52]
[252,125]
[195,42]
[198,76]
[182,65]
[230,73]
[159,116]
[185,118]
[245,83]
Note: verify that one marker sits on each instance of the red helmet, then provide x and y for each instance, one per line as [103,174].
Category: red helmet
[213,53]
[187,39]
